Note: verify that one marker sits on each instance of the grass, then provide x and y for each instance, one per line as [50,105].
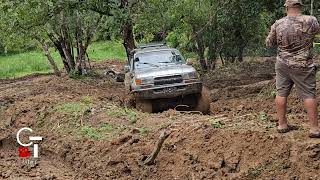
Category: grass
[100,51]
[216,124]
[96,133]
[125,113]
[263,117]
[22,64]
[75,113]
[73,108]
[18,65]
[144,130]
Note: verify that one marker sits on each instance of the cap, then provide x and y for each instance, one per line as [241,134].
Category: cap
[293,3]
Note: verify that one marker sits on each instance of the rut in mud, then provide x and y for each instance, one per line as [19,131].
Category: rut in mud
[90,134]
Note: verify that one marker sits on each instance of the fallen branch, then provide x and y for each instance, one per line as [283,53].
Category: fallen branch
[150,160]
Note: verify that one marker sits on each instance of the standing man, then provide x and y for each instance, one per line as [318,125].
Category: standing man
[293,35]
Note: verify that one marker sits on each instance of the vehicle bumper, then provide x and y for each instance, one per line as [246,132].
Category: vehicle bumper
[171,91]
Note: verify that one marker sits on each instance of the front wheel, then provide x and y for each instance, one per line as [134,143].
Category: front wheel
[144,105]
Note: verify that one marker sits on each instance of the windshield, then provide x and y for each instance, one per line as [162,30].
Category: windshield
[158,58]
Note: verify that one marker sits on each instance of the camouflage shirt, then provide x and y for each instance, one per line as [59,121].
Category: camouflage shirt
[294,36]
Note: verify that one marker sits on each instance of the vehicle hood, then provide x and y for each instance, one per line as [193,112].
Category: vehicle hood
[161,71]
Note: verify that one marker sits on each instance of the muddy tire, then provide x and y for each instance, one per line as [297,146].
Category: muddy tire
[203,101]
[144,105]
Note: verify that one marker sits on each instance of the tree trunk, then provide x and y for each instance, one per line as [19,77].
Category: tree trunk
[45,49]
[68,56]
[50,59]
[63,57]
[241,45]
[221,58]
[128,38]
[127,30]
[212,57]
[65,43]
[80,64]
[200,52]
[240,53]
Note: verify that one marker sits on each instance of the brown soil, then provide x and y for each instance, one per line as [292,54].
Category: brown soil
[89,134]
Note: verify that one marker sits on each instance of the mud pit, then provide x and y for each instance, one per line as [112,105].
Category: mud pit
[89,134]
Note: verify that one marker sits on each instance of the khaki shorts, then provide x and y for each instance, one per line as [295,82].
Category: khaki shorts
[304,80]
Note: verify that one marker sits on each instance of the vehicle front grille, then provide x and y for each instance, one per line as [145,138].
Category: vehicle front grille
[168,80]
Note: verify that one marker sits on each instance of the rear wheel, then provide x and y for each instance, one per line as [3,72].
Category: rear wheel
[203,101]
[144,105]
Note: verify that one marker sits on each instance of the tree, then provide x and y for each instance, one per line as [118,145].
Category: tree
[68,26]
[211,28]
[243,24]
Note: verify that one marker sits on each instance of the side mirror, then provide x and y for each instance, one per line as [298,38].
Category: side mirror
[126,68]
[189,62]
[178,58]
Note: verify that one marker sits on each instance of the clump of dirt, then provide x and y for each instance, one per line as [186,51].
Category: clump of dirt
[89,133]
[194,150]
[242,74]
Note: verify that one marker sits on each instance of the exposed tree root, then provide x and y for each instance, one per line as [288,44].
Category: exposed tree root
[164,135]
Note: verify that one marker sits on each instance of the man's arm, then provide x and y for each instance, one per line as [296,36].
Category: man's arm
[271,40]
[315,27]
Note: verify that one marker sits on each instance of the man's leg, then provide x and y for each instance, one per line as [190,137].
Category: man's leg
[281,105]
[312,109]
[305,80]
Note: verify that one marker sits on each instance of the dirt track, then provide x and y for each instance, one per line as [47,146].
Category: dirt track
[90,135]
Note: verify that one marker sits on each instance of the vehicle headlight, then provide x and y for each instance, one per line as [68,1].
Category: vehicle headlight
[193,75]
[190,75]
[144,81]
[147,81]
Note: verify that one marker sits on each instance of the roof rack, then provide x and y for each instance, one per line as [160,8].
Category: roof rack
[152,45]
[149,45]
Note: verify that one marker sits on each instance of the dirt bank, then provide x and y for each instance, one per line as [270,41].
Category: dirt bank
[90,134]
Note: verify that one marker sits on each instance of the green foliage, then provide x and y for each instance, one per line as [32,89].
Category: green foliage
[210,28]
[207,29]
[107,50]
[269,91]
[96,133]
[106,127]
[125,113]
[87,100]
[22,64]
[62,24]
[273,93]
[263,117]
[90,132]
[216,124]
[73,108]
[254,173]
[144,130]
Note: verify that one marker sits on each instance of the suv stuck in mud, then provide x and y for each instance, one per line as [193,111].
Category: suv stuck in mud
[158,77]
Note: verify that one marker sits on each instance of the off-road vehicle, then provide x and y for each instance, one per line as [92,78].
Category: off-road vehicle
[159,77]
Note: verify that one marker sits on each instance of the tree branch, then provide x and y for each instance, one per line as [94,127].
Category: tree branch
[150,160]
